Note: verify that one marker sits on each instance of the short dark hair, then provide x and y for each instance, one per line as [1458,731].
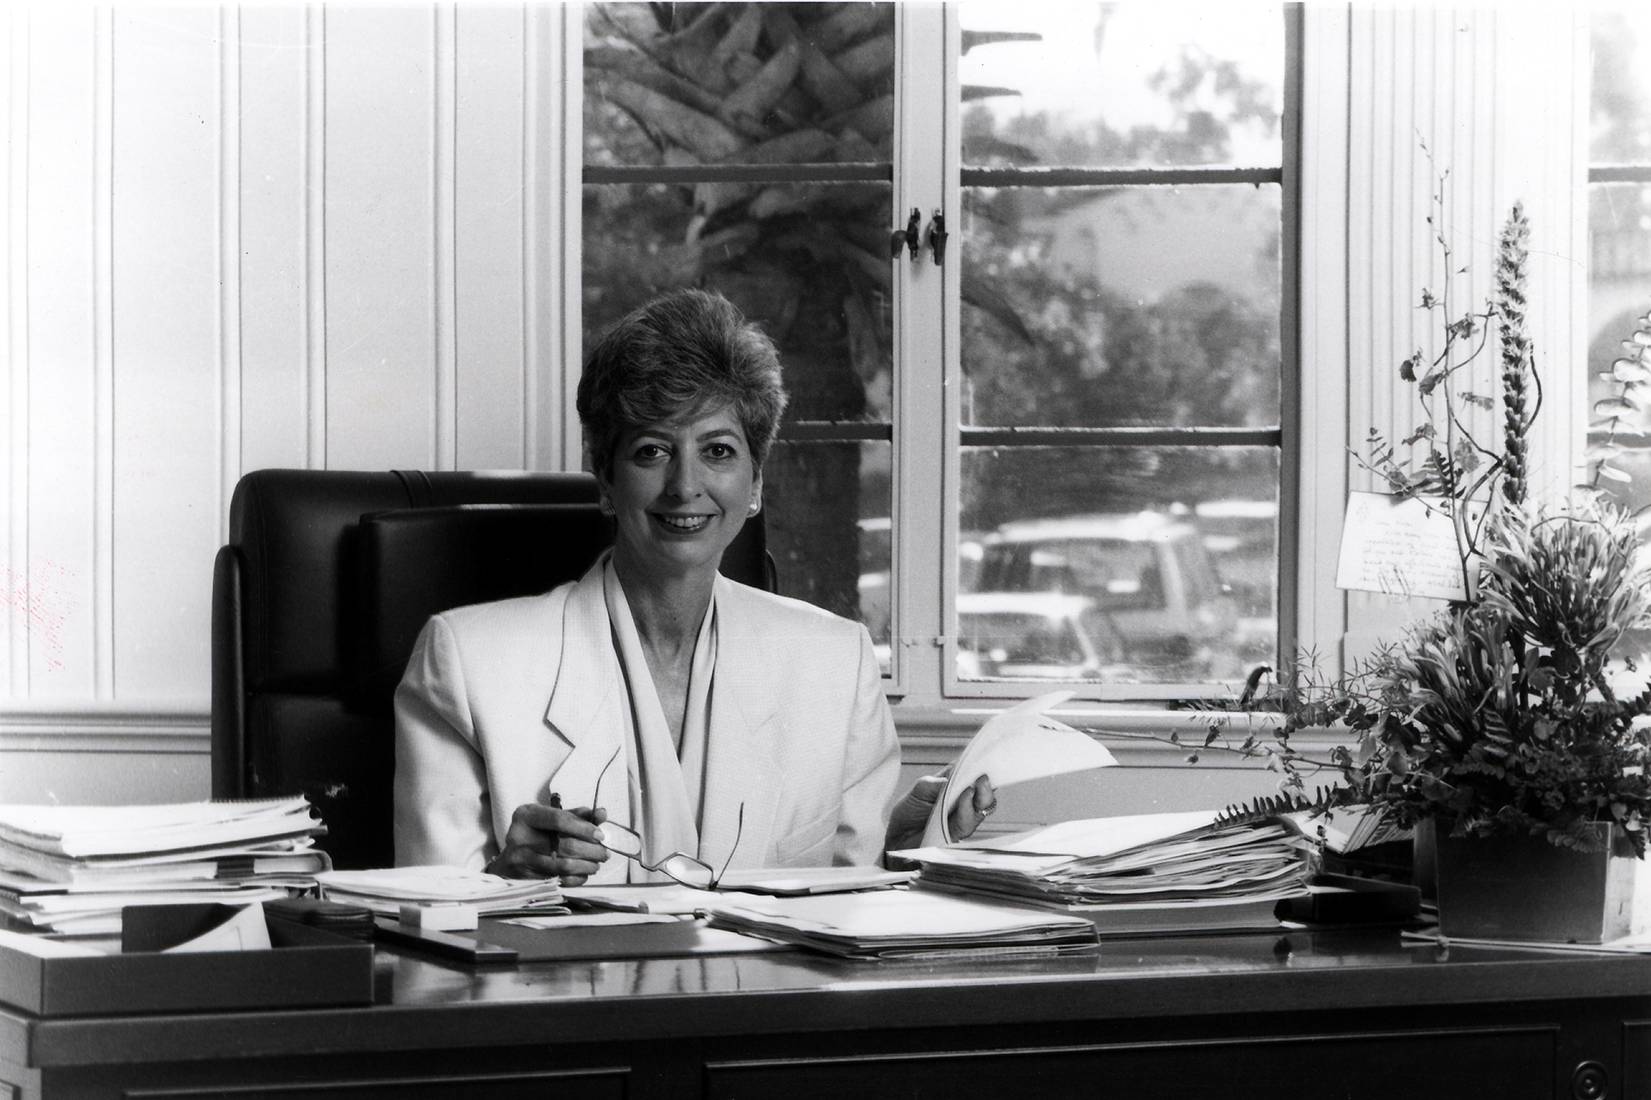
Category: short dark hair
[683,351]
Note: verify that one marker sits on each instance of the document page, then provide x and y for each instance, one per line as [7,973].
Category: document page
[1019,744]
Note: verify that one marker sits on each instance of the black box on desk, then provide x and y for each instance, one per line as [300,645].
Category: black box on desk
[304,968]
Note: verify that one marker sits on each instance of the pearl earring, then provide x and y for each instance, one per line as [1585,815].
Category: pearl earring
[756,506]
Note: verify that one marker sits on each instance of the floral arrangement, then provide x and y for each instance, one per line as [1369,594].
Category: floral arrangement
[1502,713]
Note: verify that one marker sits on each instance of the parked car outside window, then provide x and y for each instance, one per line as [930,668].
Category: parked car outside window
[1035,636]
[1148,572]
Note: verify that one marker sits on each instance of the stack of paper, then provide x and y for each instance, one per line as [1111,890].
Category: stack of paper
[902,924]
[386,890]
[1161,872]
[71,869]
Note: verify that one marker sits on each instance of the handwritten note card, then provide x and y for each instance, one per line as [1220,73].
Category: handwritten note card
[1399,547]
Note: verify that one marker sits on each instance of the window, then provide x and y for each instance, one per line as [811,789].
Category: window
[1619,235]
[1122,190]
[1054,452]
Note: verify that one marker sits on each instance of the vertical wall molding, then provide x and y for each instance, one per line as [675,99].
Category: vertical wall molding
[529,363]
[1321,611]
[229,259]
[315,236]
[568,144]
[534,244]
[103,327]
[443,185]
[551,127]
[16,593]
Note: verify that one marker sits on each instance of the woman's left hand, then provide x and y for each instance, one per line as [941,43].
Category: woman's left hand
[972,808]
[910,815]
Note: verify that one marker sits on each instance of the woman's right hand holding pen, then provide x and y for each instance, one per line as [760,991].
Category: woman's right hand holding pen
[547,840]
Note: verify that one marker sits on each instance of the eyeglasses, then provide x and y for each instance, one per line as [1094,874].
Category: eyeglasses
[679,866]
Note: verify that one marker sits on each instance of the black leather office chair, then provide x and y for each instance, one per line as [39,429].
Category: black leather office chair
[326,580]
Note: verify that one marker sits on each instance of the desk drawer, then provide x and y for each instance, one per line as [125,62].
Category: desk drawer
[1506,1064]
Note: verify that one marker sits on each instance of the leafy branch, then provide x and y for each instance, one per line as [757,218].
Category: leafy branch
[1630,373]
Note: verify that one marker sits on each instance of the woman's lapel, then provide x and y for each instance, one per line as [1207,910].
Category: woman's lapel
[583,713]
[741,763]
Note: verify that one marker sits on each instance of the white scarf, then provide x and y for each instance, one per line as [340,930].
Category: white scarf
[667,786]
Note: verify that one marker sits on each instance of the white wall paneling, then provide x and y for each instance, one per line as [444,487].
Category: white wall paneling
[60,399]
[230,367]
[380,117]
[241,236]
[315,241]
[1539,157]
[102,444]
[280,207]
[14,595]
[1482,106]
[168,369]
[491,230]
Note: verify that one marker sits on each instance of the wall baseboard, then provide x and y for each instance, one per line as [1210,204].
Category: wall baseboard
[105,729]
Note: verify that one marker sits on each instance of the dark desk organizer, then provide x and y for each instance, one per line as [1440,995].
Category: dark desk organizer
[306,966]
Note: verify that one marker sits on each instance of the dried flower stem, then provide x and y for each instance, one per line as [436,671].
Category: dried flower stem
[1512,256]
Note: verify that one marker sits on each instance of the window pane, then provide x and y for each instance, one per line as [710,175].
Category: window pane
[1620,114]
[807,276]
[1155,565]
[1619,248]
[1114,85]
[828,508]
[1114,306]
[708,83]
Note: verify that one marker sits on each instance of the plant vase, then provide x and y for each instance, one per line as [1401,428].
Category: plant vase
[1523,888]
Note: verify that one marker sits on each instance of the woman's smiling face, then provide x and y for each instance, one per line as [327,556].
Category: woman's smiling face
[681,490]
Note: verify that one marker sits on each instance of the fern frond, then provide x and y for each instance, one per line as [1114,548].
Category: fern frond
[1266,807]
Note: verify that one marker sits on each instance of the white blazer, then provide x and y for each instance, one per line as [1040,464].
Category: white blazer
[503,703]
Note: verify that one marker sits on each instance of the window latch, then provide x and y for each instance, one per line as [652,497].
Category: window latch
[937,237]
[909,237]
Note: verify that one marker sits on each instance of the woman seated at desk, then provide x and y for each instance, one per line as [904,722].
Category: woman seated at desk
[711,719]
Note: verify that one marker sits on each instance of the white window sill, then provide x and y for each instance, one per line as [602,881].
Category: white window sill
[933,732]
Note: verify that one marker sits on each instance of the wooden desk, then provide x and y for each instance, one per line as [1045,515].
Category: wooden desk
[1263,1016]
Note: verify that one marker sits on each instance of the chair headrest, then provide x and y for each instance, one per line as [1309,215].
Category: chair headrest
[295,532]
[416,562]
